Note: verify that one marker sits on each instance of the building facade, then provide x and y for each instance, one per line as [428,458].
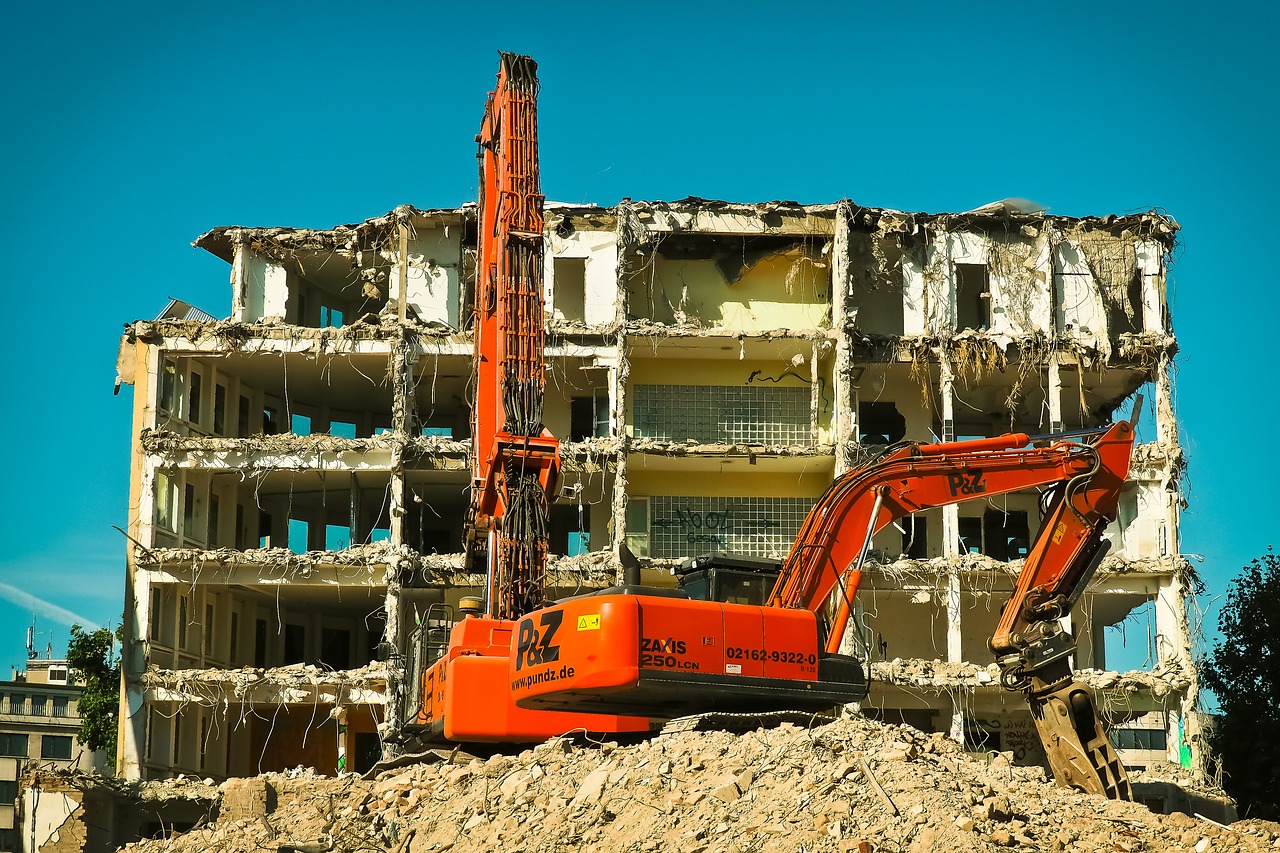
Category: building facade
[300,469]
[39,721]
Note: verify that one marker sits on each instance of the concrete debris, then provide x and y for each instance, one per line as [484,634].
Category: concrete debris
[275,335]
[1166,679]
[1114,564]
[240,681]
[395,558]
[851,785]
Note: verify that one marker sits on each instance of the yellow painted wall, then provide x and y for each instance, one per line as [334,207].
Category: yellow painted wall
[758,300]
[728,484]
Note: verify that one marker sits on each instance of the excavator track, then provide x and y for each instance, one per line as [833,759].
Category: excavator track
[743,723]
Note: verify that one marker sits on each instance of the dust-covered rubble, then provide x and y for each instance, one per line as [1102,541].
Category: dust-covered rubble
[851,785]
[1167,678]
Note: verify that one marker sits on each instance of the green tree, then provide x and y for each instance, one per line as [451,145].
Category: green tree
[1244,671]
[92,657]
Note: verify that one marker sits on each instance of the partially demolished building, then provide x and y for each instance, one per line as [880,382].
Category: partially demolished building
[300,469]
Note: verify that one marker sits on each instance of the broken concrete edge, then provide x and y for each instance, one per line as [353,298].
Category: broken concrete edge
[1168,679]
[234,335]
[165,442]
[180,788]
[348,240]
[1002,217]
[1113,564]
[386,564]
[372,676]
[392,562]
[1136,350]
[161,441]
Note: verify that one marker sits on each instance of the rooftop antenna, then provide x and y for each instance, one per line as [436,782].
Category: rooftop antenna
[31,639]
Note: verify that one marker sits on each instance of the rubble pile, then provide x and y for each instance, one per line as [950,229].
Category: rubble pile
[849,785]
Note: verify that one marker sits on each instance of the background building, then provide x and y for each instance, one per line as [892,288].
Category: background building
[39,721]
[300,469]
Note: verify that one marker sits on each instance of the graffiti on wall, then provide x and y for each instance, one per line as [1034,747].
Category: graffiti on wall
[1006,734]
[714,527]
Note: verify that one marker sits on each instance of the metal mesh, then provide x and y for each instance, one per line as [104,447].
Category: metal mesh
[685,526]
[722,413]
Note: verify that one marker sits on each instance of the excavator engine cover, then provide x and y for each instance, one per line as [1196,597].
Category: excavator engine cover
[618,653]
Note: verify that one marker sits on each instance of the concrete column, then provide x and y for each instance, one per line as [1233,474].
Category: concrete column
[1055,394]
[815,393]
[951,546]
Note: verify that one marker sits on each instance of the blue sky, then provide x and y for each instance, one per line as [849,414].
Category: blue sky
[133,128]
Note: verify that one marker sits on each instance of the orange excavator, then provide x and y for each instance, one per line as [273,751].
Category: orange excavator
[458,684]
[521,669]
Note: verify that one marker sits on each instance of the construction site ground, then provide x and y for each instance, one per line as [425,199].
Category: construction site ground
[852,784]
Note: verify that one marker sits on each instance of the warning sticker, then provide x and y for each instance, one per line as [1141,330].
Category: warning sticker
[733,668]
[589,623]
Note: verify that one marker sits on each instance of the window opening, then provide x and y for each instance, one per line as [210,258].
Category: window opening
[213,521]
[204,740]
[1006,535]
[169,387]
[270,420]
[55,746]
[260,643]
[189,510]
[880,422]
[193,398]
[220,409]
[264,529]
[638,526]
[569,287]
[337,537]
[182,622]
[164,500]
[330,318]
[295,643]
[915,537]
[970,535]
[233,642]
[335,648]
[342,429]
[14,745]
[298,535]
[300,424]
[973,299]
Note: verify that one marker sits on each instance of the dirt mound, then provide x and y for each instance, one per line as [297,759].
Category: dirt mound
[853,784]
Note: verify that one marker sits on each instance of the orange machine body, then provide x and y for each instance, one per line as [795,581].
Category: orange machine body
[614,653]
[466,695]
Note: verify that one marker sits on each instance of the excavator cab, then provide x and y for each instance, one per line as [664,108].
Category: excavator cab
[729,578]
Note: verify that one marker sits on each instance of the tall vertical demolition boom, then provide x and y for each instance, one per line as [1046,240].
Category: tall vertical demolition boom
[515,461]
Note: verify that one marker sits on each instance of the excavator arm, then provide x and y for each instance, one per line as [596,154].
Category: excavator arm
[516,462]
[1031,647]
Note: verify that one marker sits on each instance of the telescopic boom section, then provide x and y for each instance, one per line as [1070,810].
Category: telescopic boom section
[516,462]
